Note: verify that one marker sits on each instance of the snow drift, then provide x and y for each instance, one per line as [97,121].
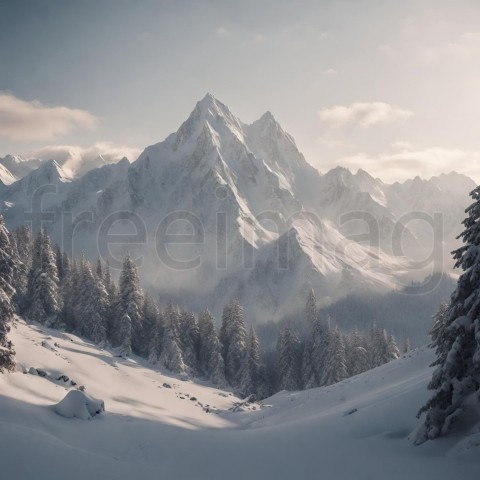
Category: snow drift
[77,404]
[355,429]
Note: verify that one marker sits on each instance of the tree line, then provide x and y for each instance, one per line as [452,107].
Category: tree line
[44,284]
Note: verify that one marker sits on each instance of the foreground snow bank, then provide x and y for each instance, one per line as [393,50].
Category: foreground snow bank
[356,429]
[77,404]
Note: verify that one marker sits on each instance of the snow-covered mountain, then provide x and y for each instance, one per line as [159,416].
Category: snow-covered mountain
[74,162]
[18,166]
[258,222]
[153,421]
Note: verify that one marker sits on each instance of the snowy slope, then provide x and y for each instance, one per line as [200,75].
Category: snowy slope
[18,166]
[6,177]
[355,429]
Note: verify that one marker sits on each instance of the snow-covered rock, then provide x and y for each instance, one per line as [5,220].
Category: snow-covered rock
[78,404]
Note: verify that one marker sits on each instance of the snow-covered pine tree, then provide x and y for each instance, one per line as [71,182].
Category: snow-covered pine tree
[43,292]
[131,303]
[189,341]
[93,302]
[457,339]
[7,272]
[107,279]
[99,270]
[59,262]
[125,335]
[311,312]
[233,336]
[24,244]
[406,345]
[392,351]
[377,346]
[288,355]
[24,241]
[356,353]
[335,369]
[151,329]
[113,305]
[314,353]
[69,293]
[438,333]
[20,274]
[253,377]
[211,359]
[171,355]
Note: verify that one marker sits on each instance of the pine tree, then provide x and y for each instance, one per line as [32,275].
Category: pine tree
[43,294]
[7,272]
[189,341]
[151,329]
[59,262]
[335,369]
[158,333]
[211,360]
[356,353]
[377,347]
[99,270]
[253,372]
[438,333]
[24,245]
[107,279]
[130,303]
[288,354]
[314,354]
[311,312]
[20,274]
[457,338]
[125,335]
[233,337]
[93,303]
[392,351]
[406,345]
[69,293]
[24,241]
[113,305]
[171,355]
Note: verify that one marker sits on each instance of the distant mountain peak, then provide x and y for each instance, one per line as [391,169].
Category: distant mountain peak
[267,117]
[51,170]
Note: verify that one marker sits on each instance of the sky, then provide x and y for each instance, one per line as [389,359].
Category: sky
[387,86]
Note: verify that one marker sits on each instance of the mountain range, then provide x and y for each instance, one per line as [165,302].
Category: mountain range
[253,219]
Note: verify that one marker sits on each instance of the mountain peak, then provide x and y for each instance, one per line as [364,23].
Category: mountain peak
[208,99]
[209,104]
[209,115]
[51,170]
[267,117]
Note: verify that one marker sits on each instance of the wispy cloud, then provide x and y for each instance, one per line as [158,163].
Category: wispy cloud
[79,159]
[223,32]
[363,114]
[330,72]
[31,120]
[401,162]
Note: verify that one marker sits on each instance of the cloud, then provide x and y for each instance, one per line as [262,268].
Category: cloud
[398,165]
[23,120]
[363,114]
[78,159]
[401,145]
[330,72]
[223,32]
